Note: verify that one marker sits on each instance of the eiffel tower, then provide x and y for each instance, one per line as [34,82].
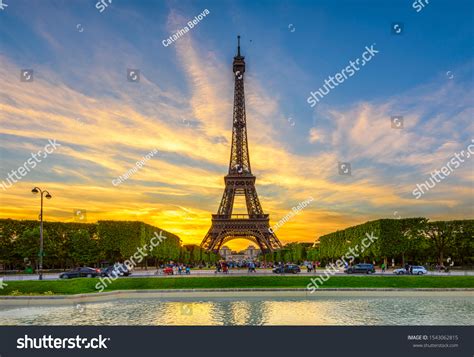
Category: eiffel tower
[239,181]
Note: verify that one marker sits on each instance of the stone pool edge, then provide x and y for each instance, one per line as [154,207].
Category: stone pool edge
[30,300]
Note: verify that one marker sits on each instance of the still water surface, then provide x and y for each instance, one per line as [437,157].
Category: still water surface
[252,311]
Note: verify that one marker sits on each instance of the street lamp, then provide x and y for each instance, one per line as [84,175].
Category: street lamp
[48,196]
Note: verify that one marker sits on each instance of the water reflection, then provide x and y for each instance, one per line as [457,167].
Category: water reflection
[252,311]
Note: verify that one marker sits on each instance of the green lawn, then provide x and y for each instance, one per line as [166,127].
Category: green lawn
[84,285]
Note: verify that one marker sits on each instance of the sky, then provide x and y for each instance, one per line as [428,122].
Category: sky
[181,107]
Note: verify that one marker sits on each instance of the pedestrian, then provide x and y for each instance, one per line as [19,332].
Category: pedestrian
[383,267]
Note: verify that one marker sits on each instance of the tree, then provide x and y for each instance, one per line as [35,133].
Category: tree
[83,249]
[312,254]
[27,246]
[402,237]
[7,252]
[463,249]
[441,235]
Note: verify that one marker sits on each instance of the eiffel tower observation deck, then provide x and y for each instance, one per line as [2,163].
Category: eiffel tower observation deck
[239,181]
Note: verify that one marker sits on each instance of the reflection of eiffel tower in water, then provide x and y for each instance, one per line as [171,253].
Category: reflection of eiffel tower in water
[246,312]
[239,181]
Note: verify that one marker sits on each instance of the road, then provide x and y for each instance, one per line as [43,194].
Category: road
[232,272]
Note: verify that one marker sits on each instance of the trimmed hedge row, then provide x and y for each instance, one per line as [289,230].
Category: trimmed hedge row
[74,244]
[121,239]
[412,239]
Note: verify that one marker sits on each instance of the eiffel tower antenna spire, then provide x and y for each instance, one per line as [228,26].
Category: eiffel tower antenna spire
[255,225]
[238,45]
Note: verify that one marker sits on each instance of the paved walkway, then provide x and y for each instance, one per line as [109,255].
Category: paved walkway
[232,272]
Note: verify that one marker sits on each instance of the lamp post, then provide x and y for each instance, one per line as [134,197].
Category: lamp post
[48,196]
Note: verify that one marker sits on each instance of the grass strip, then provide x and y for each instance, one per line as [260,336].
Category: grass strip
[87,285]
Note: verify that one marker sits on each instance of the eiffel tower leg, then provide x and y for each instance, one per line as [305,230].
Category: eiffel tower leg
[262,244]
[209,240]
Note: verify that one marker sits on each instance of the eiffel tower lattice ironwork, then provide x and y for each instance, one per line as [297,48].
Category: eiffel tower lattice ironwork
[255,225]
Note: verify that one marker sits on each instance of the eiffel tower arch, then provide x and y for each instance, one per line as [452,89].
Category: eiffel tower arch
[239,181]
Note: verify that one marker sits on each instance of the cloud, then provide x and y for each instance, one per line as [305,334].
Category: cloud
[314,135]
[105,124]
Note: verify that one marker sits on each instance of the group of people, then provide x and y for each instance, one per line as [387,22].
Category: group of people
[183,268]
[409,268]
[223,266]
[251,267]
[311,266]
[173,269]
[441,267]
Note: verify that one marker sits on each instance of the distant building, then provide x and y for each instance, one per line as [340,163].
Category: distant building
[251,253]
[225,252]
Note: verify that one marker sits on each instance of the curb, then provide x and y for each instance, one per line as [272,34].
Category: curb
[27,300]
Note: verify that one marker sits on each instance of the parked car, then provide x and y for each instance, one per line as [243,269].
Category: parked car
[168,270]
[115,270]
[416,270]
[400,271]
[286,269]
[80,273]
[360,268]
[419,270]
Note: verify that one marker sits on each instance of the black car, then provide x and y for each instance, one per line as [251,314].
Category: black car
[83,272]
[360,268]
[115,270]
[287,269]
